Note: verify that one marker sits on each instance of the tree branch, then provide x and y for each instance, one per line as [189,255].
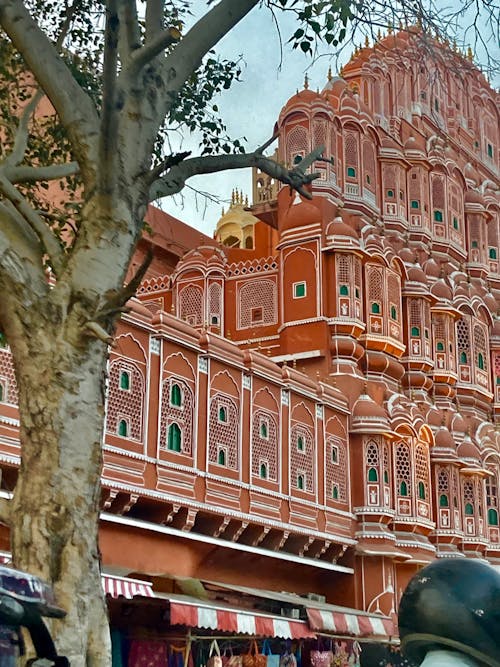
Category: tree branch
[155,10]
[108,137]
[74,107]
[149,51]
[130,34]
[22,134]
[203,36]
[46,237]
[296,178]
[50,172]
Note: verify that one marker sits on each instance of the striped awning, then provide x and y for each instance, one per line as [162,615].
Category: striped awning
[238,621]
[345,623]
[124,587]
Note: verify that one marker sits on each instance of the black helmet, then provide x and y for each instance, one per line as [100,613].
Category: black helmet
[452,604]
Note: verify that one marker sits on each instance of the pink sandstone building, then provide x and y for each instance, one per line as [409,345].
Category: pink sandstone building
[309,402]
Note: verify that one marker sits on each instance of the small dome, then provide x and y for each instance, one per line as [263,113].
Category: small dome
[300,214]
[469,450]
[441,290]
[443,439]
[431,268]
[469,172]
[458,424]
[434,417]
[304,97]
[340,228]
[369,417]
[490,302]
[406,254]
[474,197]
[416,274]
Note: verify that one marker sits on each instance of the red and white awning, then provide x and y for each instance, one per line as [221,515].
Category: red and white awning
[344,623]
[237,621]
[125,587]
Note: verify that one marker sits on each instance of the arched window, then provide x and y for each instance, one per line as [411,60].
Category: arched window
[421,490]
[372,475]
[351,172]
[480,361]
[443,500]
[403,489]
[223,413]
[440,347]
[221,457]
[263,471]
[493,253]
[375,308]
[386,477]
[125,380]
[492,517]
[264,432]
[123,428]
[438,216]
[394,313]
[344,290]
[335,492]
[174,438]
[300,443]
[415,331]
[1,393]
[463,358]
[300,482]
[469,510]
[175,395]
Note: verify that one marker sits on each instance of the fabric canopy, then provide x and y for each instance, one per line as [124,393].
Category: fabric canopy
[350,623]
[237,621]
[127,588]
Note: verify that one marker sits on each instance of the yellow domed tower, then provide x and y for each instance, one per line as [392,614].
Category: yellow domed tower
[236,227]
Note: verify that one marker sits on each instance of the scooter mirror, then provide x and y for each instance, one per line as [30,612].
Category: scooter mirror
[11,611]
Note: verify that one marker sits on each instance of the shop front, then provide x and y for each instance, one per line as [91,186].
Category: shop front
[153,629]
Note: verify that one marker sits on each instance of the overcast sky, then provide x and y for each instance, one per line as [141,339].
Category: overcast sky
[251,107]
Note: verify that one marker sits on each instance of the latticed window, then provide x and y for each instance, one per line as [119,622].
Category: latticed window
[265,444]
[369,166]
[263,471]
[177,407]
[480,348]
[422,466]
[443,500]
[463,344]
[302,455]
[403,469]
[438,193]
[297,143]
[221,457]
[351,154]
[190,305]
[301,482]
[372,456]
[336,469]
[261,295]
[215,303]
[492,495]
[223,434]
[375,289]
[394,294]
[122,403]
[469,497]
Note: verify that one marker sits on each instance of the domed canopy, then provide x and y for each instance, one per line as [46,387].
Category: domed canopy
[369,417]
[469,450]
[235,227]
[301,213]
[441,290]
[444,439]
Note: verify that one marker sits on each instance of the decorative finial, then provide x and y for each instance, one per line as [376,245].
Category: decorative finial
[223,212]
[341,71]
[329,76]
[232,197]
[470,55]
[455,47]
[306,82]
[379,35]
[389,28]
[246,201]
[367,42]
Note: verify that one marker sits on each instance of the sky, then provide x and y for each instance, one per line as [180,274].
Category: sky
[271,75]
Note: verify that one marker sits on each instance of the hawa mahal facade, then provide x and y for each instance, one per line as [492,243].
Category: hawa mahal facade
[309,401]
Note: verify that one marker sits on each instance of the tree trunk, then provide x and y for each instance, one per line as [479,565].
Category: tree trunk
[61,381]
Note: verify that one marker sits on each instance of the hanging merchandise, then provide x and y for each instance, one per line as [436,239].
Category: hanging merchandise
[272,659]
[214,657]
[354,658]
[176,657]
[253,658]
[340,656]
[321,658]
[288,659]
[147,653]
[231,660]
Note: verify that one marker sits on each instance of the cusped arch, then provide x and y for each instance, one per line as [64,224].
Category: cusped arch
[224,383]
[178,364]
[301,413]
[264,398]
[128,346]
